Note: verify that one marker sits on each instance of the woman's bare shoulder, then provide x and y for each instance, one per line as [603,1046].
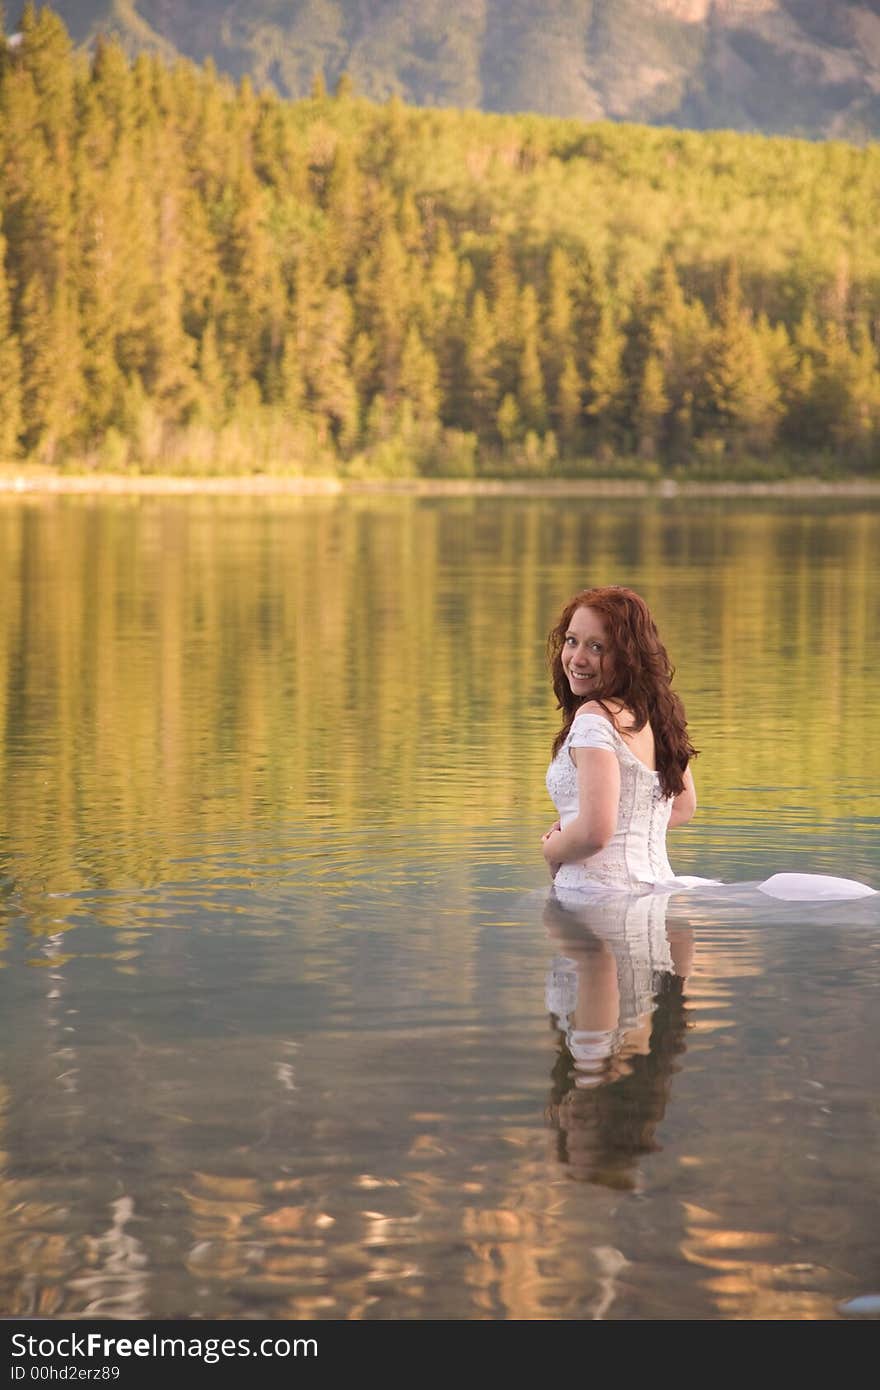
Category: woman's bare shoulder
[593,707]
[612,711]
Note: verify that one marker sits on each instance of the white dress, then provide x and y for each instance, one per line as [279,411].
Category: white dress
[635,858]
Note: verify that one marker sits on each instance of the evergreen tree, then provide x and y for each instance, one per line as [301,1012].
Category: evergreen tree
[531,397]
[845,392]
[112,84]
[419,378]
[558,328]
[682,335]
[45,51]
[480,362]
[50,369]
[10,370]
[606,383]
[441,313]
[291,386]
[332,396]
[506,308]
[638,347]
[508,421]
[344,89]
[212,383]
[743,399]
[35,201]
[651,407]
[589,295]
[569,412]
[384,301]
[345,200]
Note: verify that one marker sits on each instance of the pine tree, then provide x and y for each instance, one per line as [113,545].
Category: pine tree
[508,421]
[419,378]
[291,386]
[637,348]
[531,397]
[164,353]
[441,312]
[588,295]
[107,265]
[442,275]
[10,368]
[50,360]
[212,384]
[255,300]
[409,225]
[863,392]
[345,198]
[344,89]
[569,412]
[506,299]
[45,52]
[651,407]
[36,202]
[846,392]
[383,300]
[332,395]
[743,399]
[560,306]
[682,339]
[606,384]
[480,363]
[111,82]
[558,335]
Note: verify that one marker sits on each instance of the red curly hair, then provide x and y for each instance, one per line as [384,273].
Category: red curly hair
[636,671]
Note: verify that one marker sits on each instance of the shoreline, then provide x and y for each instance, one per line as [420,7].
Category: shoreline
[23,483]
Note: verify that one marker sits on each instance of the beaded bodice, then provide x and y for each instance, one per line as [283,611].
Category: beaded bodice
[635,857]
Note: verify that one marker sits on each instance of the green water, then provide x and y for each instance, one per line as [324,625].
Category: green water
[274,939]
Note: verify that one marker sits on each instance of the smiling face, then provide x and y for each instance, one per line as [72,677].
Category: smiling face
[583,651]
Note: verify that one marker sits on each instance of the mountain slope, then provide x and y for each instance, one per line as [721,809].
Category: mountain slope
[803,67]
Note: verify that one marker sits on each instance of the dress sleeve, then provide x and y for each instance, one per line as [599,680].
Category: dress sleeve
[592,731]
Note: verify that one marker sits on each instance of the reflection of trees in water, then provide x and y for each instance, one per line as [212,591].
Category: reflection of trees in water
[603,1129]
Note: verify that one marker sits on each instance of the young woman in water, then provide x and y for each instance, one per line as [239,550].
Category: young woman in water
[620,775]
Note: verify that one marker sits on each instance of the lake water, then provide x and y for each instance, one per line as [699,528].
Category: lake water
[276,949]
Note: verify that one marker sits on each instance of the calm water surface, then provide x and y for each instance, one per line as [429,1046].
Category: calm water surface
[281,990]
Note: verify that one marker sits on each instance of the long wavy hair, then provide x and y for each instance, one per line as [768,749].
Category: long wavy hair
[635,671]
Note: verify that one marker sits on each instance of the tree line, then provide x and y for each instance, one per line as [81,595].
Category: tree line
[199,277]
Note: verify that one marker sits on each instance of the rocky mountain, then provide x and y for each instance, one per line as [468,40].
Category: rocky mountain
[799,67]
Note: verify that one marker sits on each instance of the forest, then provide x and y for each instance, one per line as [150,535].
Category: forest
[199,277]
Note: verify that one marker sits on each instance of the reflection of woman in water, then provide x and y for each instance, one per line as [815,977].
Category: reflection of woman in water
[620,775]
[615,992]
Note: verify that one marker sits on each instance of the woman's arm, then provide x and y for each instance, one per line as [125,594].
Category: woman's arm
[685,803]
[598,777]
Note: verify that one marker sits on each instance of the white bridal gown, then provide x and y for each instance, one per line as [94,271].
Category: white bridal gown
[635,859]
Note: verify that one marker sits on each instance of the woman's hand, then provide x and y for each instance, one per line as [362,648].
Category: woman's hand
[546,847]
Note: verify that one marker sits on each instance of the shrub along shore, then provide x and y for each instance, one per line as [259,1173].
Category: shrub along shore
[26,482]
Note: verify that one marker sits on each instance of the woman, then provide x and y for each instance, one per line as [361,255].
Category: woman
[620,774]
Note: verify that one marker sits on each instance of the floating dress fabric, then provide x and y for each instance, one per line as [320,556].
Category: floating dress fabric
[635,858]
